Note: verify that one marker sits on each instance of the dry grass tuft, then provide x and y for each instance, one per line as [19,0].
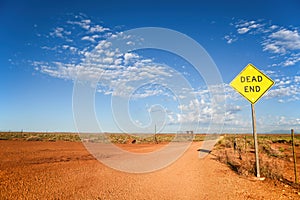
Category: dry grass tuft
[242,158]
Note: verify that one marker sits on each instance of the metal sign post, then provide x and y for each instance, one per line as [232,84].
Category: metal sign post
[252,84]
[255,141]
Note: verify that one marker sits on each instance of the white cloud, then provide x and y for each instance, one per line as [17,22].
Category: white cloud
[130,56]
[96,60]
[58,32]
[292,59]
[84,23]
[272,27]
[108,60]
[282,42]
[88,38]
[280,101]
[243,30]
[98,29]
[273,48]
[286,89]
[230,39]
[70,48]
[291,39]
[288,121]
[113,67]
[120,73]
[247,26]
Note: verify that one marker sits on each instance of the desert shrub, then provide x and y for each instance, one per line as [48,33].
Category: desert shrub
[267,149]
[281,149]
[224,143]
[220,144]
[34,138]
[52,139]
[243,162]
[281,139]
[271,168]
[198,137]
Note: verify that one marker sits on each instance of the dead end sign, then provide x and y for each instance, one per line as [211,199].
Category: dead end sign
[251,83]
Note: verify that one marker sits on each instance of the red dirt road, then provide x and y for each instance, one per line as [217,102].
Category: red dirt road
[66,170]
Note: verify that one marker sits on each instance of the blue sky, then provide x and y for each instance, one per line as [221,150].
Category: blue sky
[45,47]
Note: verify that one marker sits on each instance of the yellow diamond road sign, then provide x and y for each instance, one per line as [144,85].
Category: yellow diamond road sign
[251,83]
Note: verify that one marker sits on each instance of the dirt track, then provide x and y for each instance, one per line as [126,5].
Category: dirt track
[65,170]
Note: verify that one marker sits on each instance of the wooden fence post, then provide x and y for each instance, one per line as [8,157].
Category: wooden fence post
[294,156]
[245,144]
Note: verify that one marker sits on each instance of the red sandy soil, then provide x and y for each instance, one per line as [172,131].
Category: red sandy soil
[288,172]
[66,170]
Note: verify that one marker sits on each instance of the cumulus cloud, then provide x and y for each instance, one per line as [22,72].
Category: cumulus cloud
[130,56]
[60,32]
[99,61]
[98,29]
[286,89]
[243,30]
[88,38]
[84,23]
[247,26]
[87,53]
[288,121]
[280,41]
